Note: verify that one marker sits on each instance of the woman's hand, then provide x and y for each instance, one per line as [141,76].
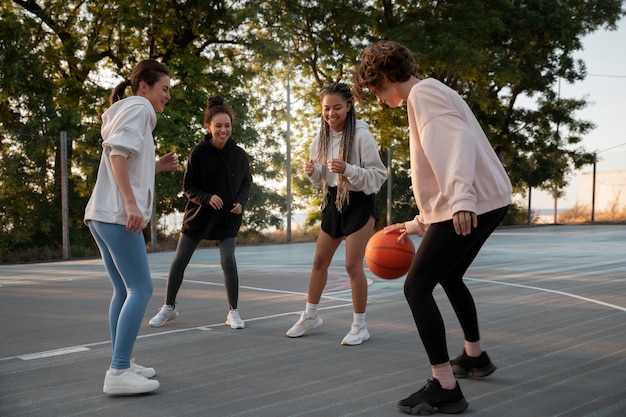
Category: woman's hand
[308,167]
[168,162]
[336,166]
[397,227]
[134,218]
[216,202]
[464,222]
[237,208]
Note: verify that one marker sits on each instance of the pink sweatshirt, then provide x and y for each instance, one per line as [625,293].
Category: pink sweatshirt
[453,165]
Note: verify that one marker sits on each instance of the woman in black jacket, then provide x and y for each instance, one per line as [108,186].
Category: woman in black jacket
[217,183]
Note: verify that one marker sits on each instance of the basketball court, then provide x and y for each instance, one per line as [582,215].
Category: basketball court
[551,302]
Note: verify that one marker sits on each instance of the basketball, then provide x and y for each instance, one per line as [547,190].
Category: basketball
[386,257]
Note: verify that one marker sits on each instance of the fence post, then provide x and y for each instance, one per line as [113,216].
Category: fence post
[389,186]
[153,225]
[64,198]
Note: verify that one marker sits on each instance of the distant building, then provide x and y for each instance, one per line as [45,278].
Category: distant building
[610,190]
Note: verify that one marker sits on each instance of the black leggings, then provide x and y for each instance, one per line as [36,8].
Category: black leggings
[443,257]
[185,249]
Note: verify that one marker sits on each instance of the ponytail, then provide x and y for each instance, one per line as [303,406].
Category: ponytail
[149,70]
[118,92]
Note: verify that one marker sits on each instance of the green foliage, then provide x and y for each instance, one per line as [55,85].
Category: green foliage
[60,59]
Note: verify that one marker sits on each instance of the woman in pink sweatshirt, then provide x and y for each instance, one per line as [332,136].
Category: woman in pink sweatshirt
[462,192]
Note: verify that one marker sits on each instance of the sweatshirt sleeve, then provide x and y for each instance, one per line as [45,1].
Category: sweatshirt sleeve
[124,135]
[366,173]
[316,177]
[244,190]
[449,146]
[451,151]
[192,181]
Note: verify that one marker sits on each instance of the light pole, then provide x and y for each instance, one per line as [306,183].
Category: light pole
[288,167]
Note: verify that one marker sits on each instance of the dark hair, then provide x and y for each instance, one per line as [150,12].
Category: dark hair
[215,105]
[385,59]
[347,139]
[149,70]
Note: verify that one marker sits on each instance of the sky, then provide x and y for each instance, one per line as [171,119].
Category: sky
[604,53]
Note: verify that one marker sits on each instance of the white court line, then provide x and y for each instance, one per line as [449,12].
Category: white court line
[55,352]
[82,348]
[530,287]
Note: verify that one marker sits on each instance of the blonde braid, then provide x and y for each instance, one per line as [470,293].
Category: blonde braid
[345,147]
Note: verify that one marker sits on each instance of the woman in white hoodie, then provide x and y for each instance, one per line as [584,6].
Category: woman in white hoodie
[462,192]
[119,209]
[346,165]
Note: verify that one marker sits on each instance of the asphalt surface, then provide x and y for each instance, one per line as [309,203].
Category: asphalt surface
[551,302]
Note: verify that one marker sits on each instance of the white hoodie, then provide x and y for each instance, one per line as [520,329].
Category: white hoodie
[365,171]
[127,131]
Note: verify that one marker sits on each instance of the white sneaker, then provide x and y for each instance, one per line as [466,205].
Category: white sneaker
[128,382]
[304,324]
[233,320]
[166,313]
[356,335]
[142,370]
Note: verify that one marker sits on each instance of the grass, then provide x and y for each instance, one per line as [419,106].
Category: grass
[582,214]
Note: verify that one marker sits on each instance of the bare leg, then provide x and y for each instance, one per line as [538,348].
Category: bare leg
[355,251]
[324,250]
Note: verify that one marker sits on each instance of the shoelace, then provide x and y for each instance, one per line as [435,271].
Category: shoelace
[428,386]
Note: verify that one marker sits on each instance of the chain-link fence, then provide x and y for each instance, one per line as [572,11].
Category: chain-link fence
[43,195]
[42,202]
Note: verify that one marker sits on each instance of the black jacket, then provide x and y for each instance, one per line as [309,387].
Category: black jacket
[225,172]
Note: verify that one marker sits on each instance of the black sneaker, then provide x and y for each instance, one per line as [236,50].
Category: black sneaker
[432,398]
[464,366]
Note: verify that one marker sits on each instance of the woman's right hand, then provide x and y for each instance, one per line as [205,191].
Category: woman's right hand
[308,167]
[397,227]
[216,202]
[134,218]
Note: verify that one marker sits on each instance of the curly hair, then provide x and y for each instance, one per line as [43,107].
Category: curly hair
[215,105]
[345,148]
[385,61]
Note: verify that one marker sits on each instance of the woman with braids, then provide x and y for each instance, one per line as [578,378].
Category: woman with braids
[121,206]
[217,183]
[346,165]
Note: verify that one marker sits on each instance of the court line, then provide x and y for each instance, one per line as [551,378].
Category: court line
[81,348]
[566,294]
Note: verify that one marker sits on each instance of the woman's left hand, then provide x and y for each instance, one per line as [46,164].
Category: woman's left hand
[464,222]
[336,166]
[168,162]
[237,208]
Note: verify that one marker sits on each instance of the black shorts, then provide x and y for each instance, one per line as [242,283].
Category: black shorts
[353,216]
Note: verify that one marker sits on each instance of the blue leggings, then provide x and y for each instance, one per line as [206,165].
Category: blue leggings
[126,261]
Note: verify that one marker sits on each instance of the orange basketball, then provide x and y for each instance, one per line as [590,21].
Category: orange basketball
[386,257]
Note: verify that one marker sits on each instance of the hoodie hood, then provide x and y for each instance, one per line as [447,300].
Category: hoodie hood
[207,142]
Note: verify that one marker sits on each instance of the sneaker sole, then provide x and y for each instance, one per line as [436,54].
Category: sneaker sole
[460,372]
[366,338]
[172,317]
[299,334]
[116,390]
[426,409]
[235,326]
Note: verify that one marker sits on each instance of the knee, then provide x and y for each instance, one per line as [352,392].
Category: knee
[354,269]
[412,289]
[148,289]
[319,264]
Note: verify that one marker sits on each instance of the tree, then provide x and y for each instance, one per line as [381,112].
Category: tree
[496,52]
[66,47]
[60,59]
